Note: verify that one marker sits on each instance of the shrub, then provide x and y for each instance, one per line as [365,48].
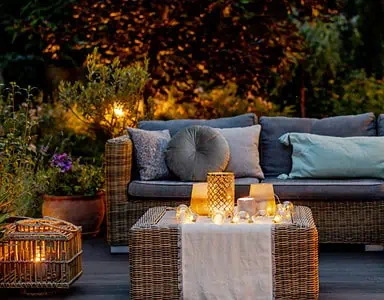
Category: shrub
[21,174]
[111,99]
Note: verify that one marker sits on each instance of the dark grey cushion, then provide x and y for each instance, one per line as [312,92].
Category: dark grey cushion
[276,158]
[176,125]
[328,189]
[380,125]
[195,151]
[178,189]
[149,147]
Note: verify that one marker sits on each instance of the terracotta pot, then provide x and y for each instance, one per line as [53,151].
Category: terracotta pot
[85,211]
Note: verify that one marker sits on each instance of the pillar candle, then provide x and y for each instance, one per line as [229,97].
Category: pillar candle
[247,204]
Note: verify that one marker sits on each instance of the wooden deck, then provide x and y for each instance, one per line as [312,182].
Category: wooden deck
[346,274]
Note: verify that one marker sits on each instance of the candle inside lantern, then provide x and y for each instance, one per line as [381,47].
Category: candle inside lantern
[39,259]
[247,204]
[40,252]
[264,196]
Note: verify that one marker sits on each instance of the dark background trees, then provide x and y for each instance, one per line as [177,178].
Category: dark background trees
[305,58]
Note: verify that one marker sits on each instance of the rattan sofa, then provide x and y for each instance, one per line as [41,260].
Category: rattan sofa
[345,210]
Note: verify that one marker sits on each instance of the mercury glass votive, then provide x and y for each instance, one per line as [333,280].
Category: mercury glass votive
[288,205]
[221,192]
[181,212]
[218,217]
[241,217]
[277,219]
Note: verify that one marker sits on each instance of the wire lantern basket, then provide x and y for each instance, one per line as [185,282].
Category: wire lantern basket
[40,255]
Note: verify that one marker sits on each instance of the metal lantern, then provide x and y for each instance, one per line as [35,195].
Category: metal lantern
[40,255]
[221,192]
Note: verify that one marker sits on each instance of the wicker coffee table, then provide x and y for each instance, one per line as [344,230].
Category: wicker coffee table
[155,257]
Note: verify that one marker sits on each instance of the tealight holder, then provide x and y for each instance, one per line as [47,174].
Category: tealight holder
[218,217]
[241,217]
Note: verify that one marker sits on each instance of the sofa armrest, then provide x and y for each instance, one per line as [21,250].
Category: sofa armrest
[118,166]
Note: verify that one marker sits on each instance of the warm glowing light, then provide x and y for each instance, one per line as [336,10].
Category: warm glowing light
[118,110]
[277,219]
[218,217]
[39,254]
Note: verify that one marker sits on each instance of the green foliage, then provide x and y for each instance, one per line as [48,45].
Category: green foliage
[112,96]
[20,162]
[360,94]
[80,180]
[217,102]
[323,43]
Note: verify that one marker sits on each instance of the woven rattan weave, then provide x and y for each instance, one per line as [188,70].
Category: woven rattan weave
[349,221]
[155,258]
[42,254]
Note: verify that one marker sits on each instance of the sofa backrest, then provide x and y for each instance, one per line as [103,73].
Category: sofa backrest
[276,158]
[380,125]
[174,126]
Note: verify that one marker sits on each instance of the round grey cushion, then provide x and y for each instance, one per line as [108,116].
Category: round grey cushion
[195,151]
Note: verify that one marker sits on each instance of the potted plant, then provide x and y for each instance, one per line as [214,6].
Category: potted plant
[74,193]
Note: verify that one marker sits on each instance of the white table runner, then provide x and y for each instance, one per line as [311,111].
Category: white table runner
[229,261]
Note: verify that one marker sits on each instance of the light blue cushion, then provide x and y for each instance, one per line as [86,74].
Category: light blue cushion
[276,159]
[316,156]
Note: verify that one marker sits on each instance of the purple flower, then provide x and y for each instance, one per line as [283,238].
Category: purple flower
[62,161]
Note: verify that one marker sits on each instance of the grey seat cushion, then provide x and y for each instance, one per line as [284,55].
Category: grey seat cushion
[176,125]
[328,189]
[178,189]
[276,158]
[195,151]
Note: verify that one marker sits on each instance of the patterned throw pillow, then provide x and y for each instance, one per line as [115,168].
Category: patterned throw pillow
[149,147]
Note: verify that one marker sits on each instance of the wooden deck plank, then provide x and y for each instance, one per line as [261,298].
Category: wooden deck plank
[351,274]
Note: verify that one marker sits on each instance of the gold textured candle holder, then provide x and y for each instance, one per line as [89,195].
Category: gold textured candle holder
[221,192]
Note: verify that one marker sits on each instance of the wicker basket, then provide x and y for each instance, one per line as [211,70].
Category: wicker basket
[40,255]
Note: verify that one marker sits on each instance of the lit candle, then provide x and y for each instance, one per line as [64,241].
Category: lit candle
[247,204]
[199,198]
[264,196]
[180,211]
[218,217]
[277,219]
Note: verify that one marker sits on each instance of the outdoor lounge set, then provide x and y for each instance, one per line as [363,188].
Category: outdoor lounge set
[345,210]
[329,169]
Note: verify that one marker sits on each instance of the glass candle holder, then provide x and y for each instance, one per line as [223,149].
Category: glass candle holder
[181,213]
[199,201]
[241,217]
[221,192]
[218,217]
[264,196]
